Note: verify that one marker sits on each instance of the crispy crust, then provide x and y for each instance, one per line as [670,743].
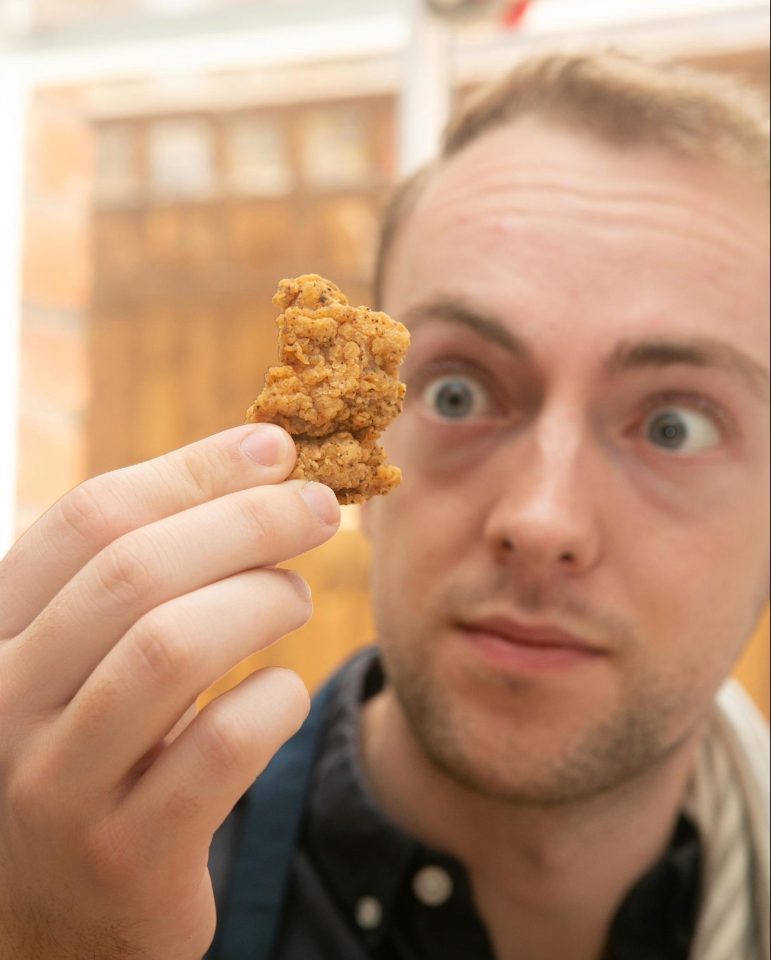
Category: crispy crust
[336,388]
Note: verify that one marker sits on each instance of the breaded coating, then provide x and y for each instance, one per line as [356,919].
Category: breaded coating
[337,387]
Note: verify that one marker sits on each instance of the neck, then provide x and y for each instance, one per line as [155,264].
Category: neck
[566,868]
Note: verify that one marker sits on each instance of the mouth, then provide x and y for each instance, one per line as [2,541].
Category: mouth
[523,648]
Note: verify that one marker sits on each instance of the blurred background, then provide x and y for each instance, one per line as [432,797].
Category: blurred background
[165,162]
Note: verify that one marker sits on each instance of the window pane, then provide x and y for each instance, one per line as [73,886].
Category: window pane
[181,159]
[256,158]
[336,149]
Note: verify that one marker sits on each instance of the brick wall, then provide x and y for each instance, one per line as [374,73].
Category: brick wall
[56,288]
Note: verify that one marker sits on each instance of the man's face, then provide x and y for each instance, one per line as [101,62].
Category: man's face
[578,550]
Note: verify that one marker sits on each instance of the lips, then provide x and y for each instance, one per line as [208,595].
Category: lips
[519,647]
[531,635]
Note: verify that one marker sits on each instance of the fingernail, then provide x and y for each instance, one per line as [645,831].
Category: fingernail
[300,585]
[266,445]
[322,501]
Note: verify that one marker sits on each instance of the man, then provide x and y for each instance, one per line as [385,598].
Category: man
[537,764]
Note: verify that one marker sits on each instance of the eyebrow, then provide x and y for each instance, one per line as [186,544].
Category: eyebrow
[701,352]
[698,352]
[455,311]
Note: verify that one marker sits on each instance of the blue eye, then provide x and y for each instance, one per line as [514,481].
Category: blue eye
[681,430]
[456,398]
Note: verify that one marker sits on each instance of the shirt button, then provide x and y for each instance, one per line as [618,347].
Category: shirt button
[369,913]
[432,886]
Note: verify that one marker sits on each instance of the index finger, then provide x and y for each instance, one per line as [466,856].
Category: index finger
[104,508]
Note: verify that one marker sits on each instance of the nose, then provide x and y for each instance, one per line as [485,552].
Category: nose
[544,517]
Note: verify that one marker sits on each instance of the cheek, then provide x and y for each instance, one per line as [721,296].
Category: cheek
[698,592]
[693,539]
[419,530]
[428,523]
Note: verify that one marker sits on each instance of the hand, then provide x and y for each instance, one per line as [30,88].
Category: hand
[132,595]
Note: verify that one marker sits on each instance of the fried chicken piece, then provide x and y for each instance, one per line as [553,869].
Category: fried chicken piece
[337,387]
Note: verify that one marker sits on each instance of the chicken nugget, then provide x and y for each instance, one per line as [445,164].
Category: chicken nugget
[337,387]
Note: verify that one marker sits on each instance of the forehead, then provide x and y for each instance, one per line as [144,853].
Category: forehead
[535,168]
[534,218]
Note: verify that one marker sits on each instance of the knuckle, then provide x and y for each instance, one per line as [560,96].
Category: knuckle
[262,519]
[39,796]
[222,741]
[124,574]
[85,512]
[160,649]
[199,470]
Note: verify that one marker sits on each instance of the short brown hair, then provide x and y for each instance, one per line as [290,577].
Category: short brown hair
[623,100]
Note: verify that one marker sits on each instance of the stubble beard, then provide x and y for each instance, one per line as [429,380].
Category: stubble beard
[453,731]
